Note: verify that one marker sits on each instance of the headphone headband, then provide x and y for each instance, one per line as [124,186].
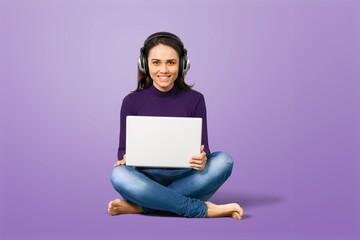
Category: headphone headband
[164,35]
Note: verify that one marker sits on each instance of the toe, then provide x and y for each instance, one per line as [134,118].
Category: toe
[236,215]
[241,212]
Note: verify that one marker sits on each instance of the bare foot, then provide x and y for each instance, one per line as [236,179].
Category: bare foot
[225,210]
[120,206]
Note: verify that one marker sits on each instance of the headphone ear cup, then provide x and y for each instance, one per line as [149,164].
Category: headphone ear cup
[142,63]
[186,65]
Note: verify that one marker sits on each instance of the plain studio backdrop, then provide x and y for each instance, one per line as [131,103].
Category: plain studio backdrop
[281,84]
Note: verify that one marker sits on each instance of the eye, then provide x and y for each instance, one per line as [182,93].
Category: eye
[172,63]
[156,63]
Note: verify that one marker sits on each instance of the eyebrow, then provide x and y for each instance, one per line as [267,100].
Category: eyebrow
[154,59]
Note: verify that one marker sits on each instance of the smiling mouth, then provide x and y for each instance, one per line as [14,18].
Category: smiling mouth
[164,78]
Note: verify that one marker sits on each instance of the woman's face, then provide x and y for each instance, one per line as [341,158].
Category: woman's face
[163,64]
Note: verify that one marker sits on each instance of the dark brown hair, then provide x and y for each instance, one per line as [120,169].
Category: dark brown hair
[144,80]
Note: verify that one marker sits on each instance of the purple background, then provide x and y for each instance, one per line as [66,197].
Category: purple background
[281,83]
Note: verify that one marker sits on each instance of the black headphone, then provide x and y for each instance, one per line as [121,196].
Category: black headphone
[184,60]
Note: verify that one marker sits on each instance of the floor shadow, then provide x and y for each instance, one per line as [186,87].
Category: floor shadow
[172,215]
[162,214]
[246,217]
[247,200]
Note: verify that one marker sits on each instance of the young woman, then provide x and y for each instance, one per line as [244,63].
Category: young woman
[162,91]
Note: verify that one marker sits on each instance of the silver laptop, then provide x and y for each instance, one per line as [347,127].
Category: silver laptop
[165,142]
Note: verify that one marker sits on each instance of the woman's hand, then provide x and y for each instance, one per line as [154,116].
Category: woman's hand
[120,162]
[198,162]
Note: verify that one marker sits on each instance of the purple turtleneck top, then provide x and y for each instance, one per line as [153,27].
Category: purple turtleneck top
[153,102]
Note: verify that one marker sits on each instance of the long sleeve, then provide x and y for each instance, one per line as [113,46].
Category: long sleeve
[125,111]
[200,111]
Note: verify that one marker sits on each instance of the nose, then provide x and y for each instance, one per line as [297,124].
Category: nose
[163,68]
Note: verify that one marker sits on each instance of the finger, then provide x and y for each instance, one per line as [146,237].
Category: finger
[198,165]
[194,165]
[202,148]
[204,164]
[198,168]
[118,163]
[241,212]
[196,162]
[199,162]
[199,157]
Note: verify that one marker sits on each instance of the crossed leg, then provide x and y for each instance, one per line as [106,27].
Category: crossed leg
[200,184]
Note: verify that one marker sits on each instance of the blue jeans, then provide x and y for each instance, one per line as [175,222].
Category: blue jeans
[181,191]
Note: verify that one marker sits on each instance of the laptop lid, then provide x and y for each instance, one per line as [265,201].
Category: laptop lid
[167,142]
